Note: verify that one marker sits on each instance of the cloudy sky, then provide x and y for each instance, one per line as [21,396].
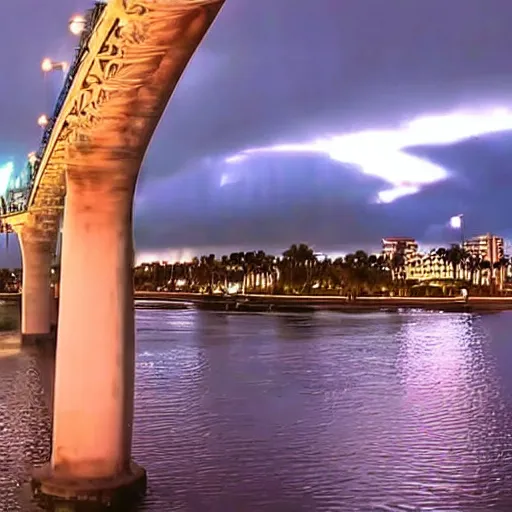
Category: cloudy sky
[324,121]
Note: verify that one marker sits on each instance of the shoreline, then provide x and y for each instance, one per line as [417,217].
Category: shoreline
[265,303]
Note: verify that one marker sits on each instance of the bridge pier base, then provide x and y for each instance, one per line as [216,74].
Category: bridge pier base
[122,491]
[95,355]
[35,300]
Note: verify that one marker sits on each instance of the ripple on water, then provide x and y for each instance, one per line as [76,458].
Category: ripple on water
[334,412]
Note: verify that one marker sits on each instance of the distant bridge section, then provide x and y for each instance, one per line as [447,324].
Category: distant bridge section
[36,194]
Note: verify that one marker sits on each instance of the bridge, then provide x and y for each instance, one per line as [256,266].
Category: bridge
[130,57]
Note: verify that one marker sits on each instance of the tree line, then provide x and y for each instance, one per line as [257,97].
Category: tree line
[300,271]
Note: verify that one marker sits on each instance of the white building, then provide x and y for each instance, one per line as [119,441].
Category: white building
[424,267]
[408,247]
[488,247]
[432,266]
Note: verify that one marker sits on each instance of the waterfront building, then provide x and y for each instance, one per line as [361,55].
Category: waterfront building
[426,267]
[488,247]
[398,251]
[408,247]
[482,264]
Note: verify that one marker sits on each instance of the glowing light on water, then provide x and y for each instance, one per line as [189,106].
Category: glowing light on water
[383,153]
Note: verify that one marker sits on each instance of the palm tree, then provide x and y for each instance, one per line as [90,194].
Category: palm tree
[356,268]
[397,268]
[454,257]
[485,269]
[504,264]
[473,266]
[237,269]
[498,272]
[297,264]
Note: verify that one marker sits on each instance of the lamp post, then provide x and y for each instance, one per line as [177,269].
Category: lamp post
[43,121]
[32,158]
[457,222]
[48,66]
[77,24]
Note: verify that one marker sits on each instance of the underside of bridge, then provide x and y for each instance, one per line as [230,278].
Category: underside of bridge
[134,58]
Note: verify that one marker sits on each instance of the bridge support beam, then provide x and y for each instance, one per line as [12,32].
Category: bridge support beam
[95,357]
[36,250]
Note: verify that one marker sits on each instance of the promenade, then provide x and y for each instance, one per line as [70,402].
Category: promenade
[265,302]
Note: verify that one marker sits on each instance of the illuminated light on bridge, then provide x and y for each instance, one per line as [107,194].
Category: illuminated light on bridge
[43,120]
[32,158]
[48,65]
[77,24]
[383,153]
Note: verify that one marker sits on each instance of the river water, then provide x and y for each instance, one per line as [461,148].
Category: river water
[298,412]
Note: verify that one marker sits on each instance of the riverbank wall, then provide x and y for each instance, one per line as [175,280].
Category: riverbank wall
[264,303]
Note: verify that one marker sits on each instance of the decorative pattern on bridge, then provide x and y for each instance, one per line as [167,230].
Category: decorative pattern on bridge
[113,97]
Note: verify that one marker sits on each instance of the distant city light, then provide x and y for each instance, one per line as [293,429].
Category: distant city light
[77,24]
[6,171]
[383,153]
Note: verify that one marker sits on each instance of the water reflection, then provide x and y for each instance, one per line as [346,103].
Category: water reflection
[299,412]
[25,432]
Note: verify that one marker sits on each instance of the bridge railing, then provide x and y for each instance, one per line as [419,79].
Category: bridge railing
[17,199]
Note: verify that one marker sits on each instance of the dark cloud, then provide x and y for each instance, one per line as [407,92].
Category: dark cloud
[276,71]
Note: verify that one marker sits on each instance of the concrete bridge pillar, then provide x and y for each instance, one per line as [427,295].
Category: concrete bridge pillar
[36,250]
[94,378]
[120,96]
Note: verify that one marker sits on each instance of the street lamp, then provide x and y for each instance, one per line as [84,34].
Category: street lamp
[43,120]
[457,222]
[77,24]
[46,65]
[49,65]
